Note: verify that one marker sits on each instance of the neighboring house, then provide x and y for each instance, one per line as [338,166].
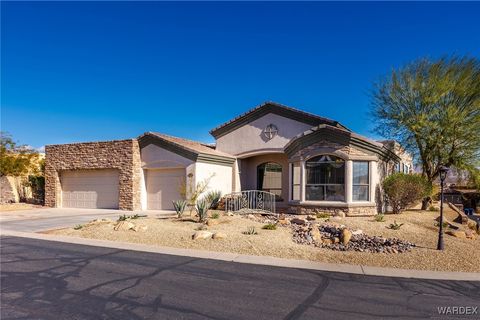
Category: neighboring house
[310,163]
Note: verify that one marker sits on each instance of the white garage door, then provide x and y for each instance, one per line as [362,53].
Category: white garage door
[163,187]
[90,189]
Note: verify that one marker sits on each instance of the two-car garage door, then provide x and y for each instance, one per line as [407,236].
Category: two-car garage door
[100,188]
[90,189]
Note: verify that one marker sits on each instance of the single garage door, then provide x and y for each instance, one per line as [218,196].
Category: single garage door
[90,189]
[163,187]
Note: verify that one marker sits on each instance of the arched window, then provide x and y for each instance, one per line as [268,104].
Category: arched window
[269,178]
[325,177]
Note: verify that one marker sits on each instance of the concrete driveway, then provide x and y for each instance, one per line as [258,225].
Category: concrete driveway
[36,220]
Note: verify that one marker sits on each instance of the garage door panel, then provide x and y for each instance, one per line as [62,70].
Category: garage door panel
[90,189]
[163,187]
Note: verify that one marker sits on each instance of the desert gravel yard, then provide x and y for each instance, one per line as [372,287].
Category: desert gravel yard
[419,227]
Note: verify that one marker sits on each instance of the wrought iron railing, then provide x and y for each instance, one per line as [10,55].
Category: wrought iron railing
[250,201]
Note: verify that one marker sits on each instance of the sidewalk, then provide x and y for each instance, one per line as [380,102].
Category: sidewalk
[260,260]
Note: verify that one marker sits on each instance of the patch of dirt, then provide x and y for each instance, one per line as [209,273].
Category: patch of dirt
[4,208]
[419,228]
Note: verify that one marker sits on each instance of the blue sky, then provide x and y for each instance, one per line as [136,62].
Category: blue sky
[87,71]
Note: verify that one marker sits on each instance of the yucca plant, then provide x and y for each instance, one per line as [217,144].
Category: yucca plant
[213,197]
[179,206]
[202,207]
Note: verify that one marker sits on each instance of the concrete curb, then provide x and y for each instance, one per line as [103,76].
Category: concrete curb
[260,260]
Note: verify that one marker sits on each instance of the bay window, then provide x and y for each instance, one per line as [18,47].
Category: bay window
[325,179]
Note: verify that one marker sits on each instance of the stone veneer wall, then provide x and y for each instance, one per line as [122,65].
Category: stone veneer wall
[123,155]
[348,211]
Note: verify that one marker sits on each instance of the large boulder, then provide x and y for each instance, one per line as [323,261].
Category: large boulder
[316,235]
[346,236]
[455,214]
[219,235]
[298,221]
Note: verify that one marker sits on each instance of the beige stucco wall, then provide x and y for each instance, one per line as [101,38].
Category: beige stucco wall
[250,138]
[123,155]
[155,157]
[248,171]
[220,176]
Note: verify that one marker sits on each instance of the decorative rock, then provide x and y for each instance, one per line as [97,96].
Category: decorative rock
[230,214]
[316,236]
[219,235]
[346,236]
[284,222]
[456,234]
[357,232]
[340,214]
[123,226]
[251,216]
[311,218]
[470,234]
[202,235]
[327,241]
[336,240]
[298,221]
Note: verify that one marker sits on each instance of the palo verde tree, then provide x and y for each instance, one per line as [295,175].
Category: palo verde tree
[433,109]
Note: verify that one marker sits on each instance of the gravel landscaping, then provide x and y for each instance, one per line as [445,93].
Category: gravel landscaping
[369,242]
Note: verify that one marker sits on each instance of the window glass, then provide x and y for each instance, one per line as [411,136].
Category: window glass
[361,177]
[325,177]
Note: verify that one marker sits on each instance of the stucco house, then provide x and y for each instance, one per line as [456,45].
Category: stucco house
[309,162]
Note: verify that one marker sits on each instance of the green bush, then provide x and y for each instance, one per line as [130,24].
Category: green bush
[432,208]
[213,197]
[404,190]
[323,215]
[270,226]
[380,217]
[37,184]
[78,227]
[215,215]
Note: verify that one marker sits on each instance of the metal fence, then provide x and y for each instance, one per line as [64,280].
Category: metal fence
[250,201]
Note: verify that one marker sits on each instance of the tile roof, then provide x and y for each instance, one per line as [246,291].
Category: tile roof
[273,107]
[190,145]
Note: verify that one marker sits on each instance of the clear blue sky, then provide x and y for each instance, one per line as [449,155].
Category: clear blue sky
[98,71]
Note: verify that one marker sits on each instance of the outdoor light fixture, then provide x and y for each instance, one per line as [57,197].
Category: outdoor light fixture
[443,174]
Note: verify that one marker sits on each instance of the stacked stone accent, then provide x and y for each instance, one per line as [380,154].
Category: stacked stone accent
[348,211]
[123,155]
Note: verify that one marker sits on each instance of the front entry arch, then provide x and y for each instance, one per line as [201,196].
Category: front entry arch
[269,178]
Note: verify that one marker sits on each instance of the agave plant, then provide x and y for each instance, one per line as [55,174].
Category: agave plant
[202,207]
[213,197]
[179,206]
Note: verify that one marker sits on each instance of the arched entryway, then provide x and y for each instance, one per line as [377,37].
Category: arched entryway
[269,178]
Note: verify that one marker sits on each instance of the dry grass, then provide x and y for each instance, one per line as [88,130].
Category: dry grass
[459,255]
[17,207]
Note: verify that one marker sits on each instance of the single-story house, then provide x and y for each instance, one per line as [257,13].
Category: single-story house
[309,162]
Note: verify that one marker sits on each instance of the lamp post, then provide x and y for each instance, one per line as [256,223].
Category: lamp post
[443,174]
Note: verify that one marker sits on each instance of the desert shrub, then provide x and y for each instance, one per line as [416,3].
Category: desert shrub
[202,207]
[78,227]
[179,206]
[122,217]
[37,184]
[395,225]
[432,208]
[215,215]
[213,197]
[323,215]
[270,226]
[404,190]
[380,217]
[250,231]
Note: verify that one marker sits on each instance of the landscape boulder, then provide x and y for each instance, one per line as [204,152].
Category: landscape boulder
[346,236]
[298,221]
[202,235]
[219,235]
[123,226]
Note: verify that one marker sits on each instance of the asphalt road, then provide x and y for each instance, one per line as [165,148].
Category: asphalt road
[53,280]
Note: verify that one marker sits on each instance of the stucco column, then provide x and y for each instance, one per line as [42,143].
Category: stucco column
[290,182]
[348,181]
[302,180]
[373,179]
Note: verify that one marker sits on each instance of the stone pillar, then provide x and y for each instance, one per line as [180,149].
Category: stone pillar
[348,181]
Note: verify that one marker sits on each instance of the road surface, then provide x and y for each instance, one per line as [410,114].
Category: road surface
[52,280]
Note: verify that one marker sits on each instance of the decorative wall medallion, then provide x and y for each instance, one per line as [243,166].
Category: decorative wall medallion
[270,131]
